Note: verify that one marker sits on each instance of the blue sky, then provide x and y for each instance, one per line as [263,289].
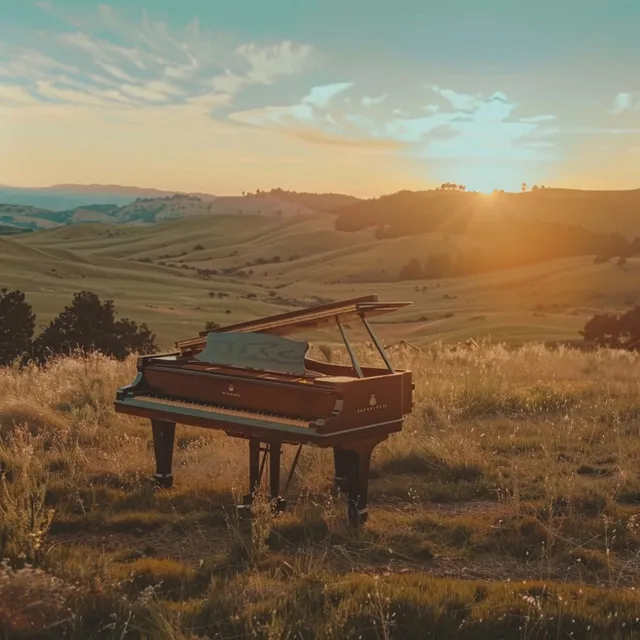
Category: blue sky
[362,97]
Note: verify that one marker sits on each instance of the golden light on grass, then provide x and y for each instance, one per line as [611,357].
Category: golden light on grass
[517,465]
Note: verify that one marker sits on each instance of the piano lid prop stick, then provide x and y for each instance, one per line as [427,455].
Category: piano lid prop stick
[347,344]
[379,347]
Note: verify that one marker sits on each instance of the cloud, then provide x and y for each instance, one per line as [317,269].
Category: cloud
[368,101]
[363,143]
[115,72]
[153,91]
[322,96]
[55,93]
[310,112]
[268,63]
[17,96]
[466,126]
[459,101]
[111,59]
[126,66]
[626,102]
[537,119]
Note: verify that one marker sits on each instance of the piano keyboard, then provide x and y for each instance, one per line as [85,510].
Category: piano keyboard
[218,411]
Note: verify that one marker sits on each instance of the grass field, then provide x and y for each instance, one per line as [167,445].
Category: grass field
[269,264]
[506,508]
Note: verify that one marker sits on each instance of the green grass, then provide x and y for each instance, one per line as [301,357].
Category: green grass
[506,507]
[151,273]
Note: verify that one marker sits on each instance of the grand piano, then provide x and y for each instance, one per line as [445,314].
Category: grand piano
[252,381]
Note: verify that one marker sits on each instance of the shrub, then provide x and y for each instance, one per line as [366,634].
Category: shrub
[17,323]
[88,324]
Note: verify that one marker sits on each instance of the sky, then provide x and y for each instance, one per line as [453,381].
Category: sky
[354,96]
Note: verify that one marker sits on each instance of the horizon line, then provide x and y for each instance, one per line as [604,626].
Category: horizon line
[250,193]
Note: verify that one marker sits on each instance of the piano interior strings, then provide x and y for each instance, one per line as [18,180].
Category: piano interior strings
[251,380]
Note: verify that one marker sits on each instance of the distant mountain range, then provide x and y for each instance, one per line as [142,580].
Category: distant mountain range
[62,197]
[24,210]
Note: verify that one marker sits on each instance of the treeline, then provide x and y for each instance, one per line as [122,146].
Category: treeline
[518,243]
[87,324]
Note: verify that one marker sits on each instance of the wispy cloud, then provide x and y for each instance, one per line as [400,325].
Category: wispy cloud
[128,67]
[138,63]
[464,125]
[368,101]
[312,112]
[268,63]
[16,96]
[626,101]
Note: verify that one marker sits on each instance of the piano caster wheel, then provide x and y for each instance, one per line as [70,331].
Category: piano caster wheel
[357,517]
[163,481]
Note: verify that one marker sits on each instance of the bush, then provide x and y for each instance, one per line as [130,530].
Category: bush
[17,324]
[88,324]
[613,331]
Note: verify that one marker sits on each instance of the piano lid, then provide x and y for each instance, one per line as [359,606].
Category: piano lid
[314,317]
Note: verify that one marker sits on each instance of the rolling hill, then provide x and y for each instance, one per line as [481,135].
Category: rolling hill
[178,274]
[410,212]
[69,196]
[398,214]
[151,206]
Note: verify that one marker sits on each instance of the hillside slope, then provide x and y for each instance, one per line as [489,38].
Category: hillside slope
[410,212]
[179,274]
[145,210]
[69,196]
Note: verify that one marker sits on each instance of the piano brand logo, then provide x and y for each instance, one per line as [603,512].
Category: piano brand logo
[373,405]
[231,392]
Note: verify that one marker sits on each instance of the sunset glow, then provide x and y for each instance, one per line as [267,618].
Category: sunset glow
[355,97]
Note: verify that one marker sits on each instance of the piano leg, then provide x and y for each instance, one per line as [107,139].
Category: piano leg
[255,474]
[341,466]
[356,462]
[163,439]
[254,466]
[274,476]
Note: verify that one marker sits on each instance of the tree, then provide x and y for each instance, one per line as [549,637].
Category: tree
[613,331]
[412,270]
[88,324]
[17,324]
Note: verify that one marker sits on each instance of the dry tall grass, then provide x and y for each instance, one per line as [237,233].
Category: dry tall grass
[507,507]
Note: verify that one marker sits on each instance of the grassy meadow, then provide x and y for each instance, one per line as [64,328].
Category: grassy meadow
[506,508]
